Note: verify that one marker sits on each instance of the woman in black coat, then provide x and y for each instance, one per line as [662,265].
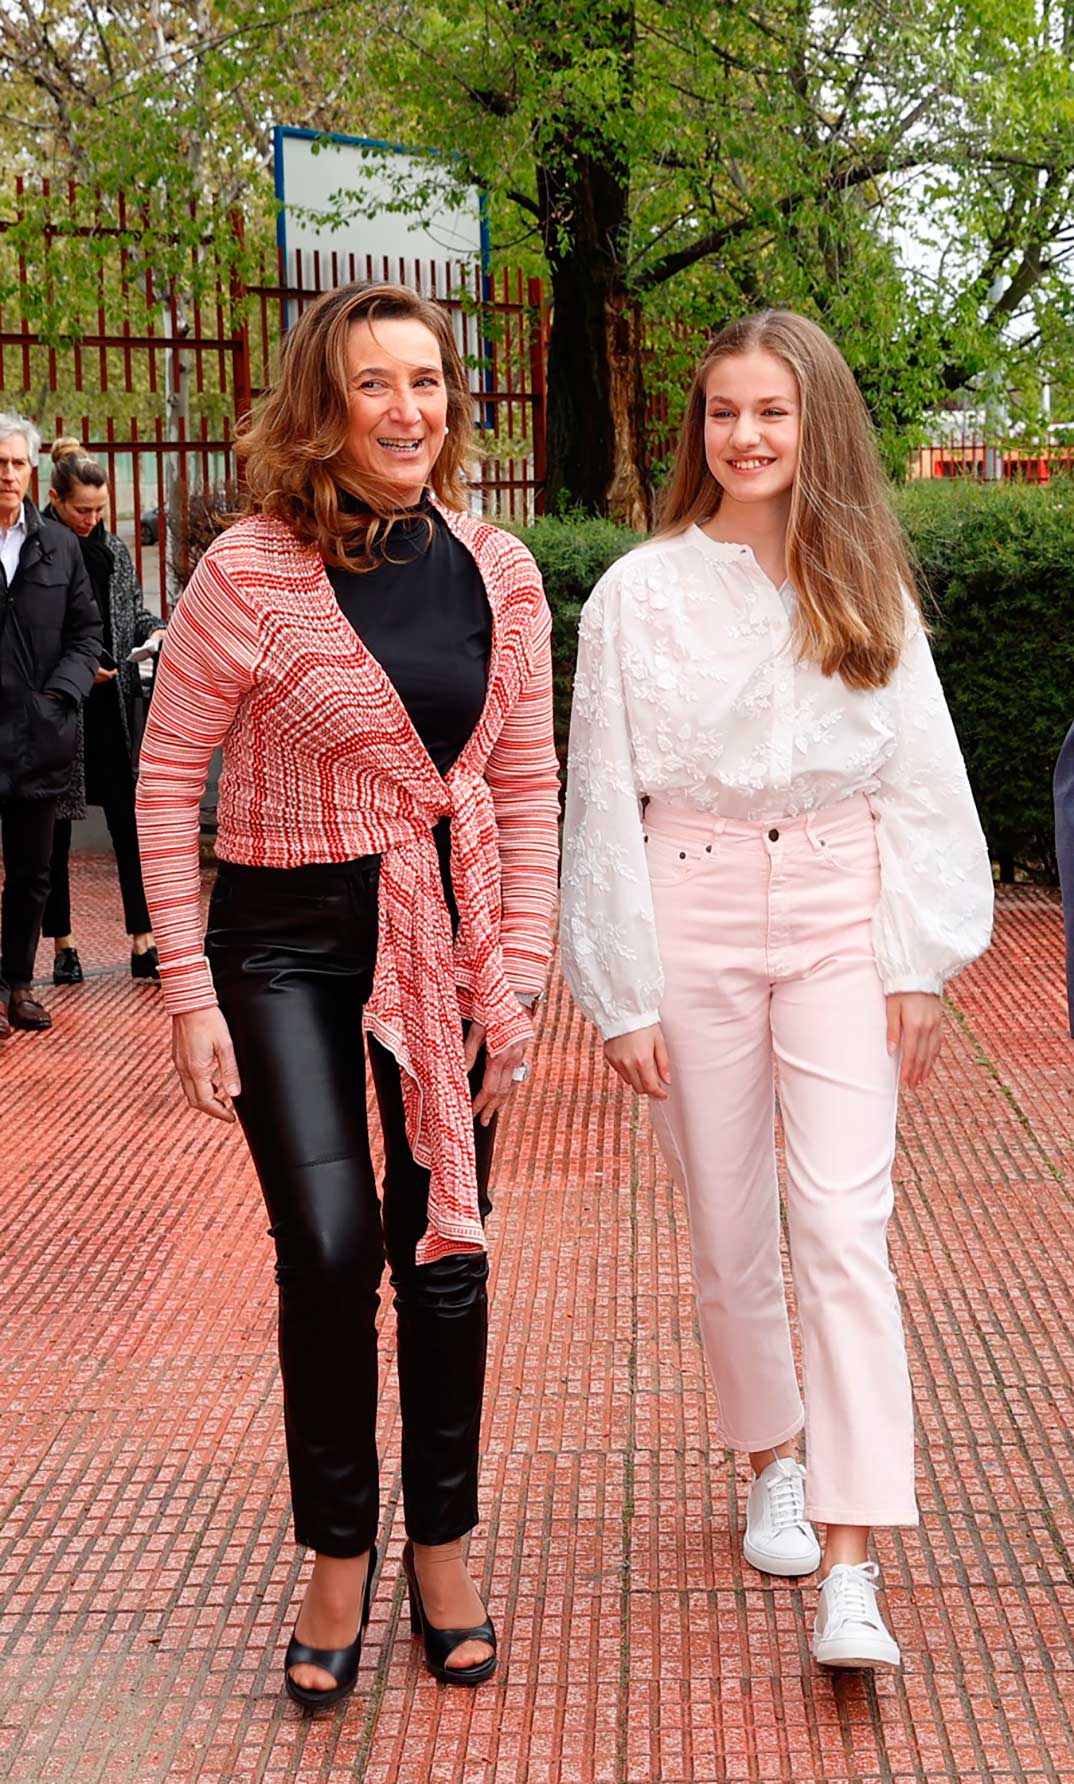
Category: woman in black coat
[103,773]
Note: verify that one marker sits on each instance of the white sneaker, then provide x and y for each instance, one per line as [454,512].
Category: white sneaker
[778,1538]
[849,1630]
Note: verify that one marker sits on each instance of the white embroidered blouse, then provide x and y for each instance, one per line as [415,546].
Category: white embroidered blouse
[687,690]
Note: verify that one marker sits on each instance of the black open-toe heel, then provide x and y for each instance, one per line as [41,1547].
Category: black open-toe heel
[342,1663]
[440,1643]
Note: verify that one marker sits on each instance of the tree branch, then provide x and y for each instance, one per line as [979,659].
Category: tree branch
[716,239]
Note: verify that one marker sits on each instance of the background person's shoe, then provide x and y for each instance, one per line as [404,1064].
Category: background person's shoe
[145,966]
[67,968]
[779,1538]
[24,1011]
[849,1630]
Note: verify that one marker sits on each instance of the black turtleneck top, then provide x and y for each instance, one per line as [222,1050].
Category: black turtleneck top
[424,614]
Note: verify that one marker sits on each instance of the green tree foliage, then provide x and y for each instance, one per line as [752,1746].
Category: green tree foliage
[903,174]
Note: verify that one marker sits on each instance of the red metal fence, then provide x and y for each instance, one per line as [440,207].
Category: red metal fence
[969,456]
[157,382]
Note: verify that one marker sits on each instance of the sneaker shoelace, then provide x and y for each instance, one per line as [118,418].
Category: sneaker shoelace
[786,1499]
[850,1590]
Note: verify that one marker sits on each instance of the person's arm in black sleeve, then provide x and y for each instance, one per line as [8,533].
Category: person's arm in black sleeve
[83,637]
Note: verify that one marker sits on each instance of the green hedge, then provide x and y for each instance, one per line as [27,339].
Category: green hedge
[997,575]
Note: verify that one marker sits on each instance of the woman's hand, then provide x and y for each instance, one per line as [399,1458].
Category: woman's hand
[106,675]
[498,1083]
[915,1023]
[205,1060]
[641,1060]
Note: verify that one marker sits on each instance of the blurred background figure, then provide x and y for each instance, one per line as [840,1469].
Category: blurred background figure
[50,642]
[103,772]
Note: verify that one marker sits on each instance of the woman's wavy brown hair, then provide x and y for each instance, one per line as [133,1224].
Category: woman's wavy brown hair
[294,448]
[846,558]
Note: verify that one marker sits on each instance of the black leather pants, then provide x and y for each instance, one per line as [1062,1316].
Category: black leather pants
[292,954]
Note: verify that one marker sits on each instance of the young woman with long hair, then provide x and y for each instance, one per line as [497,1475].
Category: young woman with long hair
[772,864]
[375,662]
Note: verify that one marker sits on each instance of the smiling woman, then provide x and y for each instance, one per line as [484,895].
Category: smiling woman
[376,664]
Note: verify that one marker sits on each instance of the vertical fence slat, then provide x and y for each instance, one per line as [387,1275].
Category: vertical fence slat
[124,295]
[136,487]
[113,504]
[162,514]
[20,193]
[102,316]
[151,326]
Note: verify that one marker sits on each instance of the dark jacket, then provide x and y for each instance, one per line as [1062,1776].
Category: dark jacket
[50,642]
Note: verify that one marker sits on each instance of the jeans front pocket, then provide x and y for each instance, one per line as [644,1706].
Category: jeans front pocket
[851,853]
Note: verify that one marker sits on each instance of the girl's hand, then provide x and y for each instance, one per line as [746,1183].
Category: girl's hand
[641,1060]
[498,1083]
[205,1060]
[915,1023]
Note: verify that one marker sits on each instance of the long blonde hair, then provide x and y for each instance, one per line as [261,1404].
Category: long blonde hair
[294,449]
[846,558]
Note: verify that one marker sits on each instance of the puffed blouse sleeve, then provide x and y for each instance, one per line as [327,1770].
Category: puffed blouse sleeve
[936,898]
[608,934]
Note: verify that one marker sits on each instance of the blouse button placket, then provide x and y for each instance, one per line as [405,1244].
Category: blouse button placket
[782,764]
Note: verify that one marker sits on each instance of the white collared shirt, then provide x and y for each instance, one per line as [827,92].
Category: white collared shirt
[12,540]
[688,691]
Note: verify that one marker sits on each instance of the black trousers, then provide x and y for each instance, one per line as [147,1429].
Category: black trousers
[119,816]
[292,954]
[26,832]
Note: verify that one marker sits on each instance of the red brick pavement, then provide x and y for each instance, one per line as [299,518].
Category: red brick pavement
[147,1577]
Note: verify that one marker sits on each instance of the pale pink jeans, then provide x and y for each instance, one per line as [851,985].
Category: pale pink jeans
[765,935]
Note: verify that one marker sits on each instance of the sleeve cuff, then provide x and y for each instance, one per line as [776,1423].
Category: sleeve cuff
[628,1025]
[187,986]
[913,982]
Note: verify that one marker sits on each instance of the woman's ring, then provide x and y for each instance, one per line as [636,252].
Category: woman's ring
[520,1073]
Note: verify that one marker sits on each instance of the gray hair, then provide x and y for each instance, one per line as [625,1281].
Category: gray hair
[10,423]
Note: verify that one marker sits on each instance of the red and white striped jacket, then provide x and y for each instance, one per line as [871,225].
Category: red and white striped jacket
[322,763]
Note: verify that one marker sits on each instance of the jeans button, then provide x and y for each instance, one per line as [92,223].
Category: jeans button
[773,836]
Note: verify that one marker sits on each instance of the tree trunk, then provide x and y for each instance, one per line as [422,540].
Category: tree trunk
[596,432]
[630,494]
[596,426]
